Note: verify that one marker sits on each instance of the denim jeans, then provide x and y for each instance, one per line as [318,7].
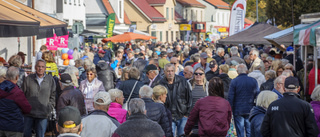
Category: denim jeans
[39,124]
[242,123]
[179,124]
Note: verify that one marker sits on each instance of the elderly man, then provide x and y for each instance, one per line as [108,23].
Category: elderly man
[213,70]
[69,122]
[138,124]
[170,54]
[40,90]
[254,56]
[289,116]
[242,89]
[234,56]
[270,76]
[203,63]
[179,98]
[99,123]
[279,86]
[247,61]
[13,105]
[70,96]
[188,72]
[219,56]
[177,65]
[99,56]
[152,73]
[155,111]
[256,74]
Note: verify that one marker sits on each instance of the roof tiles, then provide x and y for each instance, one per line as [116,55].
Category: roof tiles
[191,3]
[153,14]
[219,4]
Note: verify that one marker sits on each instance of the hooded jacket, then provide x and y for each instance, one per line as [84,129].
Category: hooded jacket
[256,117]
[226,83]
[106,75]
[12,104]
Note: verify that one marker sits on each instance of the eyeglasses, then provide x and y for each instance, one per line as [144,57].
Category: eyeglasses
[198,74]
[90,74]
[174,63]
[184,72]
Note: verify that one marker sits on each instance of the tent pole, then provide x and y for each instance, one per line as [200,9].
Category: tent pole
[315,57]
[305,72]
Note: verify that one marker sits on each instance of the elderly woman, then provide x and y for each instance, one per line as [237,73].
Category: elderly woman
[89,87]
[198,85]
[211,108]
[115,109]
[74,73]
[87,64]
[270,75]
[264,99]
[315,96]
[16,61]
[132,84]
[3,73]
[50,63]
[124,76]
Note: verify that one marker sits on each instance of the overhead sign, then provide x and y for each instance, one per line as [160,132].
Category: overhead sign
[185,27]
[55,42]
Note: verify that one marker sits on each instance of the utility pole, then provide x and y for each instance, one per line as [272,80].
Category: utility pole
[257,11]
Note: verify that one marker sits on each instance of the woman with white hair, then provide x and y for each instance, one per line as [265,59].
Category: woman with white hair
[315,96]
[3,73]
[264,99]
[115,109]
[74,73]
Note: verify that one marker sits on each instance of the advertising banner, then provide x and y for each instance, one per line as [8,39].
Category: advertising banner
[55,42]
[110,26]
[185,27]
[237,16]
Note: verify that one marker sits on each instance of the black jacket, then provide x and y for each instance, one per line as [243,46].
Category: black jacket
[138,125]
[71,97]
[126,87]
[155,82]
[210,74]
[226,83]
[106,75]
[193,51]
[220,60]
[299,64]
[179,99]
[157,113]
[268,85]
[289,117]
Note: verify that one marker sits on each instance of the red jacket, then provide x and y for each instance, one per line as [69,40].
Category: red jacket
[214,115]
[311,78]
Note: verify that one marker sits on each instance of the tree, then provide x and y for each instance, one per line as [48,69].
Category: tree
[280,10]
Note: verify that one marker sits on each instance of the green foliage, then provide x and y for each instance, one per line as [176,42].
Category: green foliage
[281,10]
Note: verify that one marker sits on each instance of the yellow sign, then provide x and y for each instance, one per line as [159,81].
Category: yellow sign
[222,29]
[185,27]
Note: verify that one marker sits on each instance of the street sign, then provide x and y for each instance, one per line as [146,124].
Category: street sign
[77,28]
[185,27]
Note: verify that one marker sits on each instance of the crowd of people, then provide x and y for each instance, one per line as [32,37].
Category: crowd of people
[148,89]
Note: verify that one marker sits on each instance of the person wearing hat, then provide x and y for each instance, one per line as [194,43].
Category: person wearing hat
[69,122]
[99,56]
[70,96]
[99,123]
[290,53]
[163,61]
[213,65]
[203,63]
[152,73]
[170,54]
[290,116]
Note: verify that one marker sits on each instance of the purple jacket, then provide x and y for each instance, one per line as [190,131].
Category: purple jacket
[115,110]
[316,109]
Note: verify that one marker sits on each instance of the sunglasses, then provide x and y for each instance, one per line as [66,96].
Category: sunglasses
[90,74]
[174,63]
[198,74]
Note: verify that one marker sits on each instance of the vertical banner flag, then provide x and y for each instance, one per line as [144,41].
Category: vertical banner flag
[188,32]
[237,16]
[55,42]
[110,27]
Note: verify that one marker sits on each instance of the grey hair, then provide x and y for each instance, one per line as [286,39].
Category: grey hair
[278,80]
[271,74]
[88,63]
[115,93]
[196,57]
[246,57]
[12,73]
[255,52]
[80,62]
[137,105]
[269,58]
[220,49]
[169,65]
[284,62]
[265,98]
[71,70]
[242,68]
[40,60]
[189,68]
[146,92]
[234,51]
[315,96]
[257,67]
[226,56]
[291,90]
[288,65]
[3,71]
[287,73]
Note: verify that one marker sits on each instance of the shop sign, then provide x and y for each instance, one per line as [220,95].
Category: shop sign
[222,29]
[185,27]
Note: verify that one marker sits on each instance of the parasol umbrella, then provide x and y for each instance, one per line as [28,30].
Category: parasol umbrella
[127,36]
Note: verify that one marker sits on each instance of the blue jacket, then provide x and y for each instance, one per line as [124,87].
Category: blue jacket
[12,104]
[256,117]
[278,93]
[242,93]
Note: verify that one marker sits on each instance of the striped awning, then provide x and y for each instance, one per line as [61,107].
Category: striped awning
[306,35]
